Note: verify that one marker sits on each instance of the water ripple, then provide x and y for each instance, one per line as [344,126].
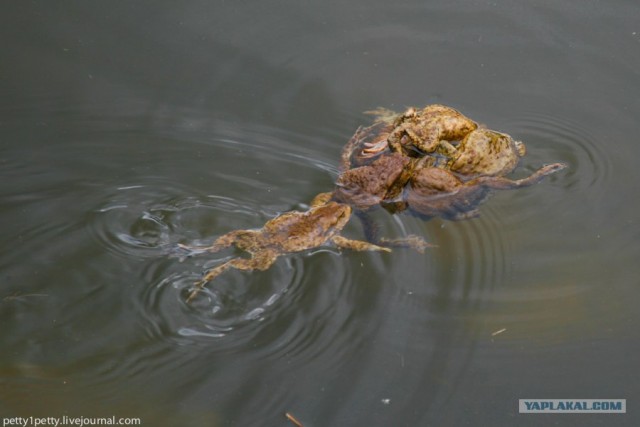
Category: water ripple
[556,138]
[137,221]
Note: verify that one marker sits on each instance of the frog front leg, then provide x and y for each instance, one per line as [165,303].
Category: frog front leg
[447,149]
[423,138]
[321,199]
[260,261]
[426,140]
[357,245]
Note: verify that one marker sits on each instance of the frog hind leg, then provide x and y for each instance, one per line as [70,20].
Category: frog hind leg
[383,115]
[500,183]
[357,245]
[349,148]
[260,261]
[220,243]
[428,141]
[371,232]
[411,241]
[369,226]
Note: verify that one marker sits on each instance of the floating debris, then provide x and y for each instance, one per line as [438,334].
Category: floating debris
[293,419]
[498,332]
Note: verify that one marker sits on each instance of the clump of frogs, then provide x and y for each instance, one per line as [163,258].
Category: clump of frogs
[432,161]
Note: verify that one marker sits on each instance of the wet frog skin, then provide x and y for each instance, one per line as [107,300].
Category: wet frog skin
[420,130]
[456,142]
[289,232]
[440,183]
[366,186]
[439,192]
[484,152]
[432,161]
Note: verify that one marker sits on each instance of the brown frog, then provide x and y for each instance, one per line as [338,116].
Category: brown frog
[381,182]
[419,131]
[383,179]
[439,192]
[289,232]
[483,152]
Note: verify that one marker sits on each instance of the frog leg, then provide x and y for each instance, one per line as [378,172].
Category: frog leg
[369,226]
[383,115]
[348,149]
[411,241]
[378,146]
[371,232]
[357,245]
[427,143]
[221,242]
[459,216]
[446,148]
[501,183]
[321,199]
[260,261]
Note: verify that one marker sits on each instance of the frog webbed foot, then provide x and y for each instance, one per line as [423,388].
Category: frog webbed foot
[383,115]
[259,261]
[411,241]
[463,214]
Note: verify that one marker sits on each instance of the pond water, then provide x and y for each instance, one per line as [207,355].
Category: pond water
[128,127]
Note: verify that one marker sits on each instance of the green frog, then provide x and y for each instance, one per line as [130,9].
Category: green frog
[289,232]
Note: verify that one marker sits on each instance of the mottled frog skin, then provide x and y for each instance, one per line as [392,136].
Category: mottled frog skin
[432,161]
[453,139]
[366,186]
[448,178]
[287,233]
[484,152]
[420,130]
[439,192]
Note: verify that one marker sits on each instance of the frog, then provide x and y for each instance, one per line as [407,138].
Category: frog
[483,152]
[380,182]
[416,132]
[434,191]
[383,179]
[289,232]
